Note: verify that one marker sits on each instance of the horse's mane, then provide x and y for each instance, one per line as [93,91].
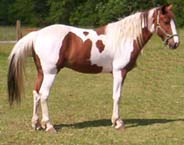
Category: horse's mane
[127,29]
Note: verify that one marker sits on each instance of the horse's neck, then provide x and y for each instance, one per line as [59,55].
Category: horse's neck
[146,34]
[147,25]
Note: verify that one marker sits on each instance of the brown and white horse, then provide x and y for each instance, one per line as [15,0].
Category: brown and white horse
[112,48]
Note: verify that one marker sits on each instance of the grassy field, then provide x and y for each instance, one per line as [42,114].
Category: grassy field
[7,33]
[80,105]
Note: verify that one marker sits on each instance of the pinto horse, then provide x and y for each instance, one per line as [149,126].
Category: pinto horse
[112,48]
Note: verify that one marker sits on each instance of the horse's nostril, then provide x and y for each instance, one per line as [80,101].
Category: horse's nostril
[175,45]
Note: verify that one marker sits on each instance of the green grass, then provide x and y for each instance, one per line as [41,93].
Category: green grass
[7,33]
[81,105]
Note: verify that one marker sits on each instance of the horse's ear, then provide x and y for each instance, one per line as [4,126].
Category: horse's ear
[166,8]
[170,7]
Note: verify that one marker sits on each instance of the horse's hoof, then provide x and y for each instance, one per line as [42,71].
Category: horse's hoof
[43,125]
[51,130]
[36,125]
[37,128]
[119,125]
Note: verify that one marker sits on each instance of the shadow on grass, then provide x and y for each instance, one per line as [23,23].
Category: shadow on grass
[107,122]
[143,122]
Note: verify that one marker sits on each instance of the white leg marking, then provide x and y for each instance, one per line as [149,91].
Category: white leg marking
[44,92]
[117,83]
[35,119]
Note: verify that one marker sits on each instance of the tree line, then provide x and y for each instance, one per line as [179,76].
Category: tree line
[86,13]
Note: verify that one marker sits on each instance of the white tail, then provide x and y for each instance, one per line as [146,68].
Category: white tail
[21,50]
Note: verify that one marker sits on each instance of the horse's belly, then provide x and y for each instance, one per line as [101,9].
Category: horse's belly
[88,66]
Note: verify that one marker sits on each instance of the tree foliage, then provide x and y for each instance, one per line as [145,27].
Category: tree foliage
[77,12]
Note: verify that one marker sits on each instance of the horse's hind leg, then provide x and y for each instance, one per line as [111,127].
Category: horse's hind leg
[36,96]
[35,119]
[41,92]
[44,92]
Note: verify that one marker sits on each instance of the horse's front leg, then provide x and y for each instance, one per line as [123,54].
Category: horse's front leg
[118,79]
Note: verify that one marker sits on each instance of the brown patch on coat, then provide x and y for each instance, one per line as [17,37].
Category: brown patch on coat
[39,79]
[101,30]
[85,33]
[135,53]
[75,54]
[133,56]
[146,35]
[100,45]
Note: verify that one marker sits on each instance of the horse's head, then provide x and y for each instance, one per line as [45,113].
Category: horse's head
[165,26]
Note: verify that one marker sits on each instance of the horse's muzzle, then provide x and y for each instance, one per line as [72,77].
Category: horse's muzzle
[173,45]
